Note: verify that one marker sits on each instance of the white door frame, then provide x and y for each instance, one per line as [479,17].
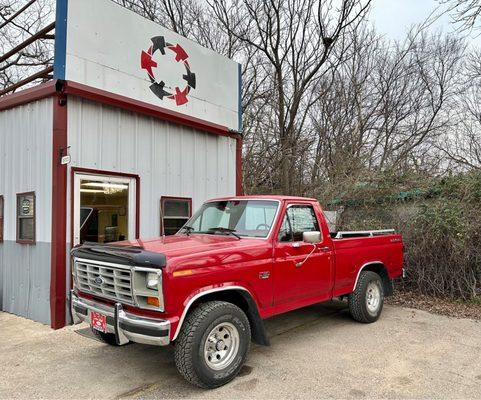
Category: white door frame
[99,177]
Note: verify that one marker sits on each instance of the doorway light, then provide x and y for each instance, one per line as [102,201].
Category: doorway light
[106,185]
[91,191]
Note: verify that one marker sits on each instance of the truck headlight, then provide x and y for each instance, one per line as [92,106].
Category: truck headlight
[147,288]
[153,280]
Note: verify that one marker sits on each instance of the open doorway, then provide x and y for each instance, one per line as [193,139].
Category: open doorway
[104,208]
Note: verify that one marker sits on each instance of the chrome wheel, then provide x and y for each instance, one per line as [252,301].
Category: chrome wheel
[373,297]
[221,346]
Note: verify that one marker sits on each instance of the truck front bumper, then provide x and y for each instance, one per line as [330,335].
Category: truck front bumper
[125,326]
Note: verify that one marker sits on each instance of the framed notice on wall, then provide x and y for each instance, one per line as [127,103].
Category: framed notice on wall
[26,218]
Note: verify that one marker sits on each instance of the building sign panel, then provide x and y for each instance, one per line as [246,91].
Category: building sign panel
[111,48]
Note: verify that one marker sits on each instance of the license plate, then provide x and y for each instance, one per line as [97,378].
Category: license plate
[98,321]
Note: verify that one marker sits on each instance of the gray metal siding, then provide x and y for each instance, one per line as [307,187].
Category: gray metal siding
[27,280]
[26,165]
[171,160]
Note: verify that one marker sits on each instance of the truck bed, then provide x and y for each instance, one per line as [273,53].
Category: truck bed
[355,250]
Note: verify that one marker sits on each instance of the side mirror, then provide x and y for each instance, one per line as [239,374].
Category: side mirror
[311,237]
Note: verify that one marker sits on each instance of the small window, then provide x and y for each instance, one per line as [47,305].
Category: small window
[26,218]
[1,219]
[175,212]
[297,220]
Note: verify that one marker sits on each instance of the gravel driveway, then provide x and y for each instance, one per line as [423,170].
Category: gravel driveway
[316,352]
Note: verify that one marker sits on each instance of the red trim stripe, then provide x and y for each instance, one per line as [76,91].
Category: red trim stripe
[141,107]
[58,276]
[27,95]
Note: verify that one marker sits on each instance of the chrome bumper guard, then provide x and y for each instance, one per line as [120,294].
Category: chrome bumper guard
[125,326]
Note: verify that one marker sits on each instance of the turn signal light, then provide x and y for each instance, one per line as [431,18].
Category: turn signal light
[183,272]
[153,301]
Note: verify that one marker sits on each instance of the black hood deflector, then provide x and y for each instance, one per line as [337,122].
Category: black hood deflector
[127,255]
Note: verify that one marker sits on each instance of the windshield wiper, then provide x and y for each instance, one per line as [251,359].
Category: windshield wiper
[225,230]
[188,229]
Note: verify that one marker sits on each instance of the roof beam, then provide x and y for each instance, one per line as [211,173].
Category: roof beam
[6,22]
[39,35]
[41,74]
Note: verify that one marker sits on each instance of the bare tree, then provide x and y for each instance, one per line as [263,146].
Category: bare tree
[15,28]
[462,145]
[295,39]
[464,12]
[386,110]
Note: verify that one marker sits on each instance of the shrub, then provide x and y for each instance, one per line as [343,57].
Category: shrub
[443,250]
[441,231]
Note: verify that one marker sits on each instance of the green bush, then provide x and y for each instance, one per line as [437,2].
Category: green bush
[443,250]
[441,230]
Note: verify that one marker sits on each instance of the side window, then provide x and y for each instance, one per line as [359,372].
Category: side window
[297,220]
[26,218]
[175,213]
[285,233]
[1,219]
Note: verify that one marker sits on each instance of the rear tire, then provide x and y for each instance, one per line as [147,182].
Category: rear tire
[367,300]
[108,338]
[213,344]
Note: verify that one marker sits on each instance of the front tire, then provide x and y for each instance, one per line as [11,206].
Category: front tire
[367,300]
[213,344]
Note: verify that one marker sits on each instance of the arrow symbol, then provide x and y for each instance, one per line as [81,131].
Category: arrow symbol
[158,44]
[147,63]
[158,90]
[181,96]
[189,78]
[180,54]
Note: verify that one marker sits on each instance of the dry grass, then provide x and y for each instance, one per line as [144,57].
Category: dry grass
[452,308]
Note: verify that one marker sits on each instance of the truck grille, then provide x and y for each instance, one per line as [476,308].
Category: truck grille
[105,281]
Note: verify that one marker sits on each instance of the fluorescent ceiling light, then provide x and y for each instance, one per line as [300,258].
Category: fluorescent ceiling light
[91,191]
[106,185]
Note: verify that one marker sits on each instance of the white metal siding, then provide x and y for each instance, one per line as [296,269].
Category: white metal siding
[171,159]
[26,165]
[105,53]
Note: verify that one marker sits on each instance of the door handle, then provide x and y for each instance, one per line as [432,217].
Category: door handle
[325,249]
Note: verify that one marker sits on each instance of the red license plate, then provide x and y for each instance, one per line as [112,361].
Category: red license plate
[98,321]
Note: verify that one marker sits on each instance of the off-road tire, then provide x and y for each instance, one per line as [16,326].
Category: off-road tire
[358,299]
[189,346]
[108,338]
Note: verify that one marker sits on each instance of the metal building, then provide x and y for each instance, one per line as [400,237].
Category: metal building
[136,129]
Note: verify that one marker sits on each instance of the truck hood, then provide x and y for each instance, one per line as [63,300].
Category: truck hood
[175,252]
[192,245]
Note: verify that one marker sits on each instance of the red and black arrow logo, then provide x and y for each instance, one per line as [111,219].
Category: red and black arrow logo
[158,87]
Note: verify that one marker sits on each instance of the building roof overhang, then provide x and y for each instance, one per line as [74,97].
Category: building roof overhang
[69,88]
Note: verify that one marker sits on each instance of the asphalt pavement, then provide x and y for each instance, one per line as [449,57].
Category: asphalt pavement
[315,352]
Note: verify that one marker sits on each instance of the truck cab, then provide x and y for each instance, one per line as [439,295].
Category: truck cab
[236,262]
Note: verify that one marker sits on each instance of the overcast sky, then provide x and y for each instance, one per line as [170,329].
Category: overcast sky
[394,17]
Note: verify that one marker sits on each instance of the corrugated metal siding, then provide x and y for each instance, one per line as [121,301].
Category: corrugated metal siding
[26,165]
[171,160]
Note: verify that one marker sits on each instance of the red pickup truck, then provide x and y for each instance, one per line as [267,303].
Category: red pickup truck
[236,262]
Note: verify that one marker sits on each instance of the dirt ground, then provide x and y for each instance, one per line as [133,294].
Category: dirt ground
[435,305]
[316,352]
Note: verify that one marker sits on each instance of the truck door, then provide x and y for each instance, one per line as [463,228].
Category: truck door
[302,270]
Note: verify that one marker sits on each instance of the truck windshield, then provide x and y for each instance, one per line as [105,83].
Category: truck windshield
[246,218]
